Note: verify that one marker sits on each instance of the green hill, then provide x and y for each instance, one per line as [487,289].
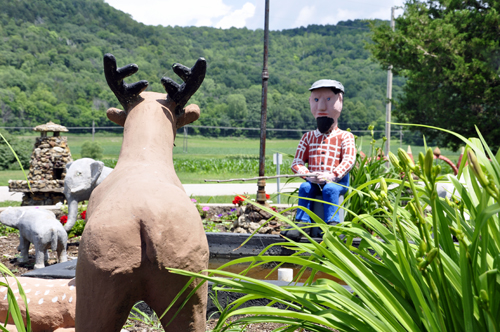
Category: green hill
[51,66]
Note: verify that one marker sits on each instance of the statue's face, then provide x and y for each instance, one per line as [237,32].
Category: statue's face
[325,103]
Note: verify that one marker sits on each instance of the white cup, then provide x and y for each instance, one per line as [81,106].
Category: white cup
[285,275]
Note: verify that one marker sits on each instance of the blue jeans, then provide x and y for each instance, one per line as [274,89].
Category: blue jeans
[331,193]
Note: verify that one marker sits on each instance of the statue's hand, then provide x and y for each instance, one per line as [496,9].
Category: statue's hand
[312,179]
[324,177]
[316,179]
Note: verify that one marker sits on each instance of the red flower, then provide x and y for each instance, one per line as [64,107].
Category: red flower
[64,219]
[267,196]
[84,214]
[238,200]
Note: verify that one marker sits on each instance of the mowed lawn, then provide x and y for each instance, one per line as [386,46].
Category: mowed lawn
[211,158]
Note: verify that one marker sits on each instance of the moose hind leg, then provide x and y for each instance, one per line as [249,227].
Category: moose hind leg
[103,302]
[192,318]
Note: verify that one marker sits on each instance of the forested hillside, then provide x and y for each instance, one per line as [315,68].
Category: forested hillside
[51,66]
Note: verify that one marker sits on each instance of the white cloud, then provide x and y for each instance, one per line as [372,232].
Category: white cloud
[173,12]
[284,14]
[237,18]
[306,15]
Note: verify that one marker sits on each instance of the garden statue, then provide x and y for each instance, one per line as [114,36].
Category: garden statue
[329,152]
[82,176]
[51,303]
[40,227]
[139,219]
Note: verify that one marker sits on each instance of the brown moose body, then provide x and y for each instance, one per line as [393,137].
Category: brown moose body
[139,220]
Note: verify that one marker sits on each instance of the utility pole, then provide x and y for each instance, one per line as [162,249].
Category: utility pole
[389,97]
[261,184]
[185,143]
[401,137]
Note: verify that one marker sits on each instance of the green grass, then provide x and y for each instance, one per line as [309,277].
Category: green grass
[9,203]
[232,156]
[5,176]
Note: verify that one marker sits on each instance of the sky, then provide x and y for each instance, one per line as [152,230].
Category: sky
[283,14]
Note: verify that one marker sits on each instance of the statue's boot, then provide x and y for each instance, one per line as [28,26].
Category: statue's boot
[294,234]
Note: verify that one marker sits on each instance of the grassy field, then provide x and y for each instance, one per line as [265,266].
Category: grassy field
[211,158]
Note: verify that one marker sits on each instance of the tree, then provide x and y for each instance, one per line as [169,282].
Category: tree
[450,54]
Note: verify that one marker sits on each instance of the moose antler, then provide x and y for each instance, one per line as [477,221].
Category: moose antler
[192,77]
[126,93]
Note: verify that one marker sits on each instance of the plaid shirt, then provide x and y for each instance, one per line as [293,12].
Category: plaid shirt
[333,152]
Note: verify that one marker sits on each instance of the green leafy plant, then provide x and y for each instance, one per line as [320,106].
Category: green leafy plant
[409,275]
[14,309]
[151,321]
[4,230]
[92,150]
[368,167]
[110,162]
[210,226]
[79,225]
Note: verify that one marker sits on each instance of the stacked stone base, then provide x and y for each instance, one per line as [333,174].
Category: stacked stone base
[42,198]
[251,217]
[43,192]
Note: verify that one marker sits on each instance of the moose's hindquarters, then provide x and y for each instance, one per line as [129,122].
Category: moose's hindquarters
[124,255]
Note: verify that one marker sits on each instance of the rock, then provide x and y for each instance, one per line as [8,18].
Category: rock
[265,230]
[253,216]
[238,222]
[240,230]
[253,226]
[251,207]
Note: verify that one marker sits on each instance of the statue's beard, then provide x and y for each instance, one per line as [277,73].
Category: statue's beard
[324,123]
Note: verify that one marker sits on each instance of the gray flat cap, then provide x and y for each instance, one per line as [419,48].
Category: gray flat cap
[327,84]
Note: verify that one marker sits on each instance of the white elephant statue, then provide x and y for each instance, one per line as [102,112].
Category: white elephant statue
[82,176]
[40,227]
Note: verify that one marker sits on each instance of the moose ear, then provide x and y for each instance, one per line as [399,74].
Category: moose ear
[117,116]
[188,115]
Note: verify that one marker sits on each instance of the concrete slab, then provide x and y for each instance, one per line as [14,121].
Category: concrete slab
[5,195]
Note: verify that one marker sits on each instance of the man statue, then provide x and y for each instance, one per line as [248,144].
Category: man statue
[329,152]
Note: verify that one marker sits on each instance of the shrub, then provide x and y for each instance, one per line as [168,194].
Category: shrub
[92,150]
[23,149]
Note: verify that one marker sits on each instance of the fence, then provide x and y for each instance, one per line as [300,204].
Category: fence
[222,131]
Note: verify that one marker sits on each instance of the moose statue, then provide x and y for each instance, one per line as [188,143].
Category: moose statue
[139,219]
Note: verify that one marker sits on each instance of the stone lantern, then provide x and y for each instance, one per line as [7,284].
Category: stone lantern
[47,168]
